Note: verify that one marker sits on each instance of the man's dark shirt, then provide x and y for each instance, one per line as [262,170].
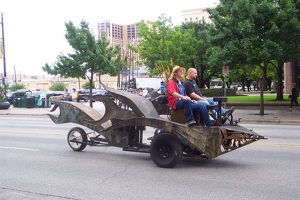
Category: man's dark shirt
[191,86]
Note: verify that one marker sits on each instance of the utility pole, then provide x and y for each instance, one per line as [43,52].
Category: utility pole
[15,74]
[3,49]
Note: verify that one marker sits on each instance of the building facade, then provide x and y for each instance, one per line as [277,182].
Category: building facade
[126,36]
[194,15]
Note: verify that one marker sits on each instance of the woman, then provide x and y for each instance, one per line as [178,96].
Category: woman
[177,99]
[294,97]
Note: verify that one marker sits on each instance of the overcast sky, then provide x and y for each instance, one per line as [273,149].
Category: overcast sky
[34,29]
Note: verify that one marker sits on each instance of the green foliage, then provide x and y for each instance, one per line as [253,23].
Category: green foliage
[17,86]
[90,56]
[256,33]
[3,93]
[218,92]
[57,87]
[162,43]
[202,33]
[86,85]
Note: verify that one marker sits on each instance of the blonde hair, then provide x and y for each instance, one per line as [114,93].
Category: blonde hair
[175,69]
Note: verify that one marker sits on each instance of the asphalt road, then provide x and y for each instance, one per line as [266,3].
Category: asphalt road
[37,163]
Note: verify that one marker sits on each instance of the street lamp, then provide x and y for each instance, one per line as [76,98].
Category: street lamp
[3,51]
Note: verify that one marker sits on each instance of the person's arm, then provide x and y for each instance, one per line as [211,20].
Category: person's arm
[195,96]
[176,94]
[172,90]
[190,91]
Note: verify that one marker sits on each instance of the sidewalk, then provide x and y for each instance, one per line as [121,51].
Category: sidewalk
[275,115]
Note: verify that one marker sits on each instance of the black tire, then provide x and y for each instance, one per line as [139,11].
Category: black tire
[166,150]
[77,139]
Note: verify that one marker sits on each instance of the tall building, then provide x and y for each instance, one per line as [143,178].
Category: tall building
[125,36]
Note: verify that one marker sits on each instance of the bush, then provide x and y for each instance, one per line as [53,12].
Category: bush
[218,92]
[57,87]
[86,85]
[16,87]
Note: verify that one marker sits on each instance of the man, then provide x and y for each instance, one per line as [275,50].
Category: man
[194,92]
[177,99]
[67,96]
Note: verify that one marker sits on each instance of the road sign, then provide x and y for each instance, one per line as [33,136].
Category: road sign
[225,70]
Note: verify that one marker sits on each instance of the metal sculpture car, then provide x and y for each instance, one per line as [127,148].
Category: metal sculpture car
[124,126]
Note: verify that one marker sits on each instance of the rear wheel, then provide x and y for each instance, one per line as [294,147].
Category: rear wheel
[77,139]
[166,150]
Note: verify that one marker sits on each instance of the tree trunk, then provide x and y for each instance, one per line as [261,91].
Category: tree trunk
[279,81]
[262,87]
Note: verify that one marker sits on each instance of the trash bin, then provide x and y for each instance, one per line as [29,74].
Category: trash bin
[36,100]
[42,100]
[23,102]
[46,101]
[17,103]
[30,102]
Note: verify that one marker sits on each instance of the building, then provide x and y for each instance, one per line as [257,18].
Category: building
[126,36]
[44,82]
[197,14]
[291,75]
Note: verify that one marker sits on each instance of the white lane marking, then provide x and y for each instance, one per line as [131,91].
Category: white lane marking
[16,148]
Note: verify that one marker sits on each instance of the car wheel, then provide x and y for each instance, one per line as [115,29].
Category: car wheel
[166,150]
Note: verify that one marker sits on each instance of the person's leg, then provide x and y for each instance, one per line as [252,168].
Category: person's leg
[291,104]
[211,101]
[296,102]
[223,110]
[201,109]
[214,114]
[186,105]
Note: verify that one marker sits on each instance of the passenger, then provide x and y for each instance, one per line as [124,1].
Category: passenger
[177,99]
[194,92]
[294,97]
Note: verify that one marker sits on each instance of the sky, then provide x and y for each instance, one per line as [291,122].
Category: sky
[34,30]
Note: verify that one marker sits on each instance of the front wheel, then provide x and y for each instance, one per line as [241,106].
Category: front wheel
[166,150]
[77,139]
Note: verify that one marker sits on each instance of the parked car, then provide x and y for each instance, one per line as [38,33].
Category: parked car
[103,92]
[82,95]
[12,96]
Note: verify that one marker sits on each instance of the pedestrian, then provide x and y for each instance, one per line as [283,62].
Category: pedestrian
[293,96]
[74,95]
[177,99]
[66,95]
[194,92]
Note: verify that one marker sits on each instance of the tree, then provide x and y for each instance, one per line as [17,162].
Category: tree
[161,43]
[57,87]
[288,23]
[17,86]
[90,56]
[3,90]
[248,32]
[86,85]
[201,32]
